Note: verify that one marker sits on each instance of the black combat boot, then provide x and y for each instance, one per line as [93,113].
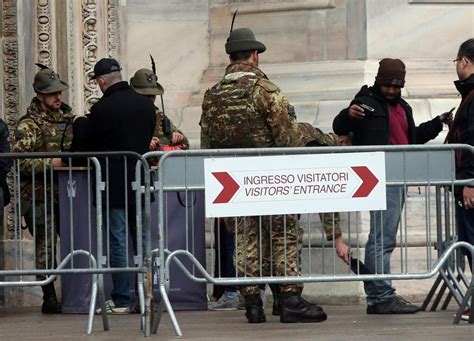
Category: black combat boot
[50,301]
[276,293]
[295,309]
[254,308]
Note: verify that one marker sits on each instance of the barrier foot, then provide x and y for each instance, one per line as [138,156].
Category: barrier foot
[157,317]
[463,307]
[105,318]
[92,304]
[141,301]
[438,297]
[431,293]
[169,309]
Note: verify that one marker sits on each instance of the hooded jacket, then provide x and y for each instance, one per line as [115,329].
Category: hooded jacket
[374,129]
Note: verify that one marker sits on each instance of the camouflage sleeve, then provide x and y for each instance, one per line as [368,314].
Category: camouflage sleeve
[205,141]
[27,139]
[185,141]
[280,114]
[328,224]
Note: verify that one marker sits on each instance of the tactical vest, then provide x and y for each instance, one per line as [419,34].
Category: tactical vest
[233,117]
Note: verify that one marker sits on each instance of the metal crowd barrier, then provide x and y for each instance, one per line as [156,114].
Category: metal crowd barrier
[425,176]
[77,218]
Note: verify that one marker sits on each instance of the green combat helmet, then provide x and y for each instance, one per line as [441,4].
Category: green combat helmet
[242,39]
[47,81]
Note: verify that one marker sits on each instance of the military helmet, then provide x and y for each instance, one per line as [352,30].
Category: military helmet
[243,39]
[145,82]
[47,82]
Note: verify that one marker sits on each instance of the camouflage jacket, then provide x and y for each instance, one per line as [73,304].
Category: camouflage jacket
[312,136]
[246,110]
[164,128]
[41,131]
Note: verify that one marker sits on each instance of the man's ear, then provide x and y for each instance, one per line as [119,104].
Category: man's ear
[40,97]
[255,56]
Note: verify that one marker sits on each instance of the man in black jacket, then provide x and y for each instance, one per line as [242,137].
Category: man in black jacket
[462,131]
[379,116]
[122,120]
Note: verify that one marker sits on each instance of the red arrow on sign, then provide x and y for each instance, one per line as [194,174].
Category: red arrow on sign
[230,187]
[368,181]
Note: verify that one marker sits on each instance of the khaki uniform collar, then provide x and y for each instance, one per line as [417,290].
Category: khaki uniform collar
[244,67]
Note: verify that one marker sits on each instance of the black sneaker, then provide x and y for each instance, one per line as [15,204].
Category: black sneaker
[396,305]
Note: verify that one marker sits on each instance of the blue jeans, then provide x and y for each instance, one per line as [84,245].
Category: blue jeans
[381,242]
[465,224]
[118,235]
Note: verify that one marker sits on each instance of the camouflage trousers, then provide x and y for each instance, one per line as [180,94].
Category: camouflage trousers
[266,246]
[40,224]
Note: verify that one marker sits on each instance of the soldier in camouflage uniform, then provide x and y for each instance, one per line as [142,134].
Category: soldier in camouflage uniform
[46,127]
[246,110]
[145,82]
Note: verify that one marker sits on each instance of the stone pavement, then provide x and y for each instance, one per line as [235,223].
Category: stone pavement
[344,323]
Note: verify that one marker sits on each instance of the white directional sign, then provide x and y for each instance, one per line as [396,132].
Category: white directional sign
[268,185]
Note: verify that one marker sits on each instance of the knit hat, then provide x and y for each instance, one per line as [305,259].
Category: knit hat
[391,73]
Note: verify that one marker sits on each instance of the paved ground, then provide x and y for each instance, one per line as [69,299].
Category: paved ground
[344,323]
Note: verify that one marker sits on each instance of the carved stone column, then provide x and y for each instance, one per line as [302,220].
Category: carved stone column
[44,32]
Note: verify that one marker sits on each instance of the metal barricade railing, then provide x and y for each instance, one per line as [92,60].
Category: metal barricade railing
[77,204]
[422,178]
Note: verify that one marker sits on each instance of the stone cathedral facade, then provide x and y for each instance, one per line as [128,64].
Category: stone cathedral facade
[319,52]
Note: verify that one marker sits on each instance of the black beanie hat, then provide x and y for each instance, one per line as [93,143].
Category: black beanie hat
[391,73]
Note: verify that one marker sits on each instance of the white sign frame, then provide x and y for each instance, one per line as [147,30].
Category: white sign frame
[289,184]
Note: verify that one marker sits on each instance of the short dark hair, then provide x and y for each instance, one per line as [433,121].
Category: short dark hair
[241,55]
[467,50]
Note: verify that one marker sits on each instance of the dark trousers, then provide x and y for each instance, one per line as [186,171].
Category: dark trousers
[465,224]
[224,256]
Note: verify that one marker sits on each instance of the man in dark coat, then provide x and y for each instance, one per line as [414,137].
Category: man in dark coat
[122,120]
[379,116]
[462,131]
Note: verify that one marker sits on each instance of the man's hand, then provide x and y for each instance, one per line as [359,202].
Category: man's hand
[56,162]
[356,111]
[468,197]
[176,137]
[344,140]
[447,117]
[342,249]
[155,141]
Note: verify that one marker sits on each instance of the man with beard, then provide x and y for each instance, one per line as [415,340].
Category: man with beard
[45,128]
[379,116]
[461,132]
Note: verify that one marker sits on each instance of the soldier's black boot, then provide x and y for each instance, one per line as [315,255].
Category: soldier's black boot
[296,309]
[254,309]
[276,311]
[50,301]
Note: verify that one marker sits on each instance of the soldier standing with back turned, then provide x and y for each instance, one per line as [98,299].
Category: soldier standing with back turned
[246,110]
[46,127]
